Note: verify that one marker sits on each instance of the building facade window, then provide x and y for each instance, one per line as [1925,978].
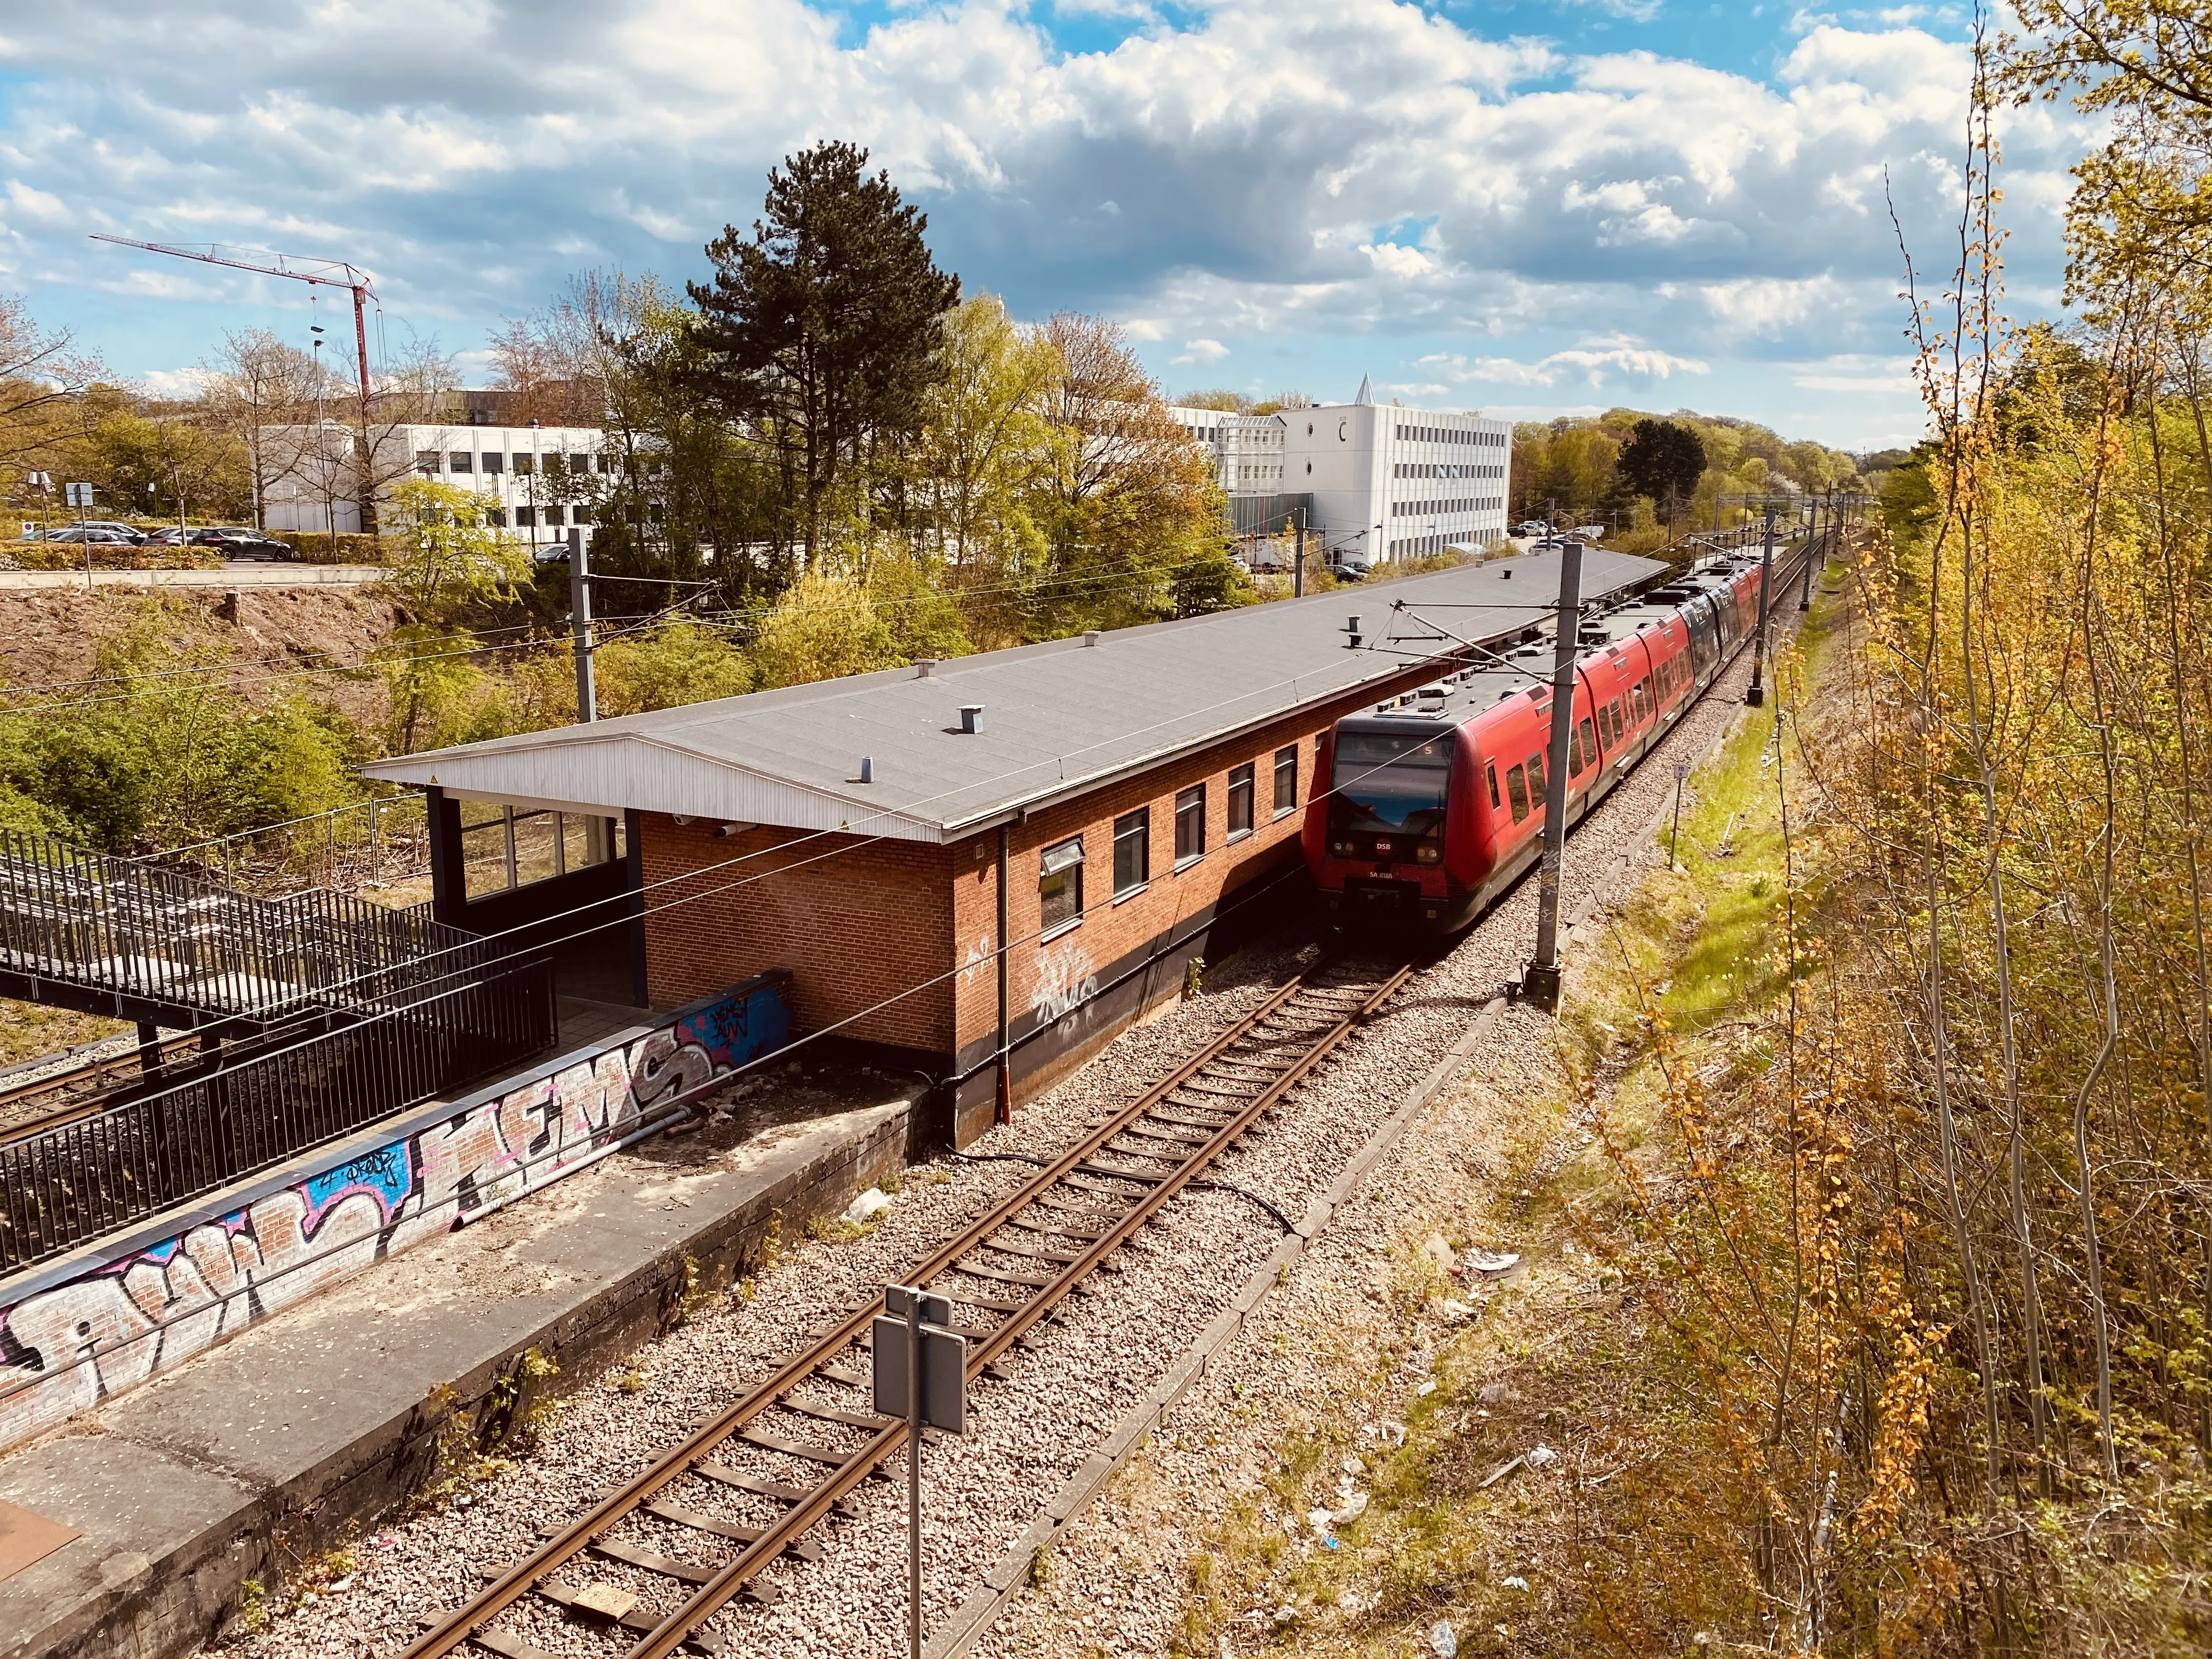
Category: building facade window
[1132,851]
[1287,780]
[1060,887]
[493,461]
[1190,826]
[461,460]
[426,460]
[1240,801]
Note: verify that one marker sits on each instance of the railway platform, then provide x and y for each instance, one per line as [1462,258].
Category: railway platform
[273,1447]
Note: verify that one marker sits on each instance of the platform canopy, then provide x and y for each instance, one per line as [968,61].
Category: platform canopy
[1057,719]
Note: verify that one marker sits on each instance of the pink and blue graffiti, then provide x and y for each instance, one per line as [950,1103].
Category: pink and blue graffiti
[64,1351]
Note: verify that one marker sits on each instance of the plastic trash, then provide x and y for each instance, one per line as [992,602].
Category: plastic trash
[1443,1642]
[1539,1456]
[868,1205]
[1492,1262]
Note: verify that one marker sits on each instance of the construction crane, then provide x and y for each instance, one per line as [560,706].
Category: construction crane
[319,273]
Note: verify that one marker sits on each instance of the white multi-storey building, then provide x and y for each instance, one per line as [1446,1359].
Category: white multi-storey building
[530,477]
[1390,483]
[1377,481]
[1247,449]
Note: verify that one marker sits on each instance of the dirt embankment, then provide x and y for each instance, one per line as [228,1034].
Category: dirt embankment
[50,637]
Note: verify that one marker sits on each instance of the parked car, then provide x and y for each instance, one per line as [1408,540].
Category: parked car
[93,534]
[244,542]
[1349,566]
[1532,527]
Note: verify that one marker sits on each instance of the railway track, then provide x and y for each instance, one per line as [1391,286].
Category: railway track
[774,1471]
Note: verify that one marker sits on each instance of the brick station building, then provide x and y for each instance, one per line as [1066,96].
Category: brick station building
[979,868]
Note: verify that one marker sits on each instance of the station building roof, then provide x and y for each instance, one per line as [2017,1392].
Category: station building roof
[1059,719]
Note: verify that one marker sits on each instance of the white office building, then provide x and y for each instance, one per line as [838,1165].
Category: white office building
[1247,449]
[1391,484]
[529,477]
[1372,480]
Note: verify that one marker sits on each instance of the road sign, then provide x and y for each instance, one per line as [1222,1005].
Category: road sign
[39,480]
[79,494]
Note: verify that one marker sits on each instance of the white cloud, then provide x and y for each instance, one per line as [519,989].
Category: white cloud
[1592,362]
[174,382]
[1218,172]
[1201,351]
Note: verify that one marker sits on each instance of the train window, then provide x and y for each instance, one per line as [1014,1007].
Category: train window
[1287,780]
[1240,801]
[1612,715]
[1190,826]
[1492,770]
[1516,786]
[1536,777]
[1575,752]
[1132,851]
[1590,742]
[1060,887]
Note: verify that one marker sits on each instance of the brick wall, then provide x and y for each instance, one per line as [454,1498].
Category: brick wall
[1049,974]
[856,920]
[859,921]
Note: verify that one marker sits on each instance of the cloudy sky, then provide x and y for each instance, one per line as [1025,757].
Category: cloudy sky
[1520,208]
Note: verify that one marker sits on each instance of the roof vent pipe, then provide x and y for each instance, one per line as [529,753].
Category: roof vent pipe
[924,667]
[971,717]
[1506,574]
[1092,636]
[868,768]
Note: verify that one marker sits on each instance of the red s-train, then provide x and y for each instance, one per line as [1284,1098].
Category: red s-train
[1435,802]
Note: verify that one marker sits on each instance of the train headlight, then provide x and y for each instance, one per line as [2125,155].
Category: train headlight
[1341,848]
[1428,853]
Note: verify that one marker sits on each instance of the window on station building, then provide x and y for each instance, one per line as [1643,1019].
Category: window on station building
[461,460]
[1190,826]
[426,460]
[552,518]
[493,461]
[1132,851]
[525,465]
[1240,790]
[503,848]
[1287,780]
[525,518]
[1060,887]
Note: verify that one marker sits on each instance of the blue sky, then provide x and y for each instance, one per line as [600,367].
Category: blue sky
[1526,209]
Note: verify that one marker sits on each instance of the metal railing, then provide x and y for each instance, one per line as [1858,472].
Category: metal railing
[72,1183]
[376,842]
[115,925]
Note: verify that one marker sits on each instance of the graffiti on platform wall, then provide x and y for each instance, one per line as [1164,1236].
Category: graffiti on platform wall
[66,1350]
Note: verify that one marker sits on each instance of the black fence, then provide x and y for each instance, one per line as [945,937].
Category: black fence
[76,1181]
[158,935]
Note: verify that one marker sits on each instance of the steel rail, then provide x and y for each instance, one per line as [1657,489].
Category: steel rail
[470,1622]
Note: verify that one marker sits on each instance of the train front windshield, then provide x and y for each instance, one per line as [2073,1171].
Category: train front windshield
[1391,783]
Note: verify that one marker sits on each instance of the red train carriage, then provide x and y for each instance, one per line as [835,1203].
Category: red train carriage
[1435,802]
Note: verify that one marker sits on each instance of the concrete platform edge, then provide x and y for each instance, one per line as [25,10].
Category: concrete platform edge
[170,1604]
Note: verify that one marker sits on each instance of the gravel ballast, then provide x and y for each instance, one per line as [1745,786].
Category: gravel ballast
[1028,1433]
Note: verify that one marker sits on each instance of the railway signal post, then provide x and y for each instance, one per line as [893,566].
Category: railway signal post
[1541,984]
[920,1373]
[1757,694]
